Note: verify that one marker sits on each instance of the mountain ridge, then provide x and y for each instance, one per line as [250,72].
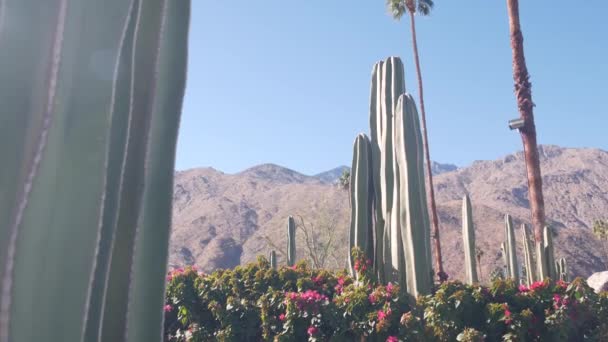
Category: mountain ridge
[221,220]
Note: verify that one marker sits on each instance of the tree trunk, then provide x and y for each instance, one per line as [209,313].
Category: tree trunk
[433,208]
[523,93]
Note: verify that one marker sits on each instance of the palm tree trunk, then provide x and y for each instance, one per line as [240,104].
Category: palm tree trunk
[433,208]
[523,93]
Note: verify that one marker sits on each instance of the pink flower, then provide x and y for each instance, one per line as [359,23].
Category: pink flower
[168,308]
[341,281]
[169,277]
[372,299]
[507,316]
[357,265]
[312,331]
[523,288]
[282,317]
[562,284]
[538,285]
[382,315]
[392,339]
[389,289]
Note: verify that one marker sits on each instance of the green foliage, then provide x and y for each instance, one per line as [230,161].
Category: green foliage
[258,303]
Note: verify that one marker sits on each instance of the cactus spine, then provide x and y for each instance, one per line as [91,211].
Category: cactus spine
[528,259]
[273,260]
[361,192]
[291,241]
[468,237]
[511,249]
[413,211]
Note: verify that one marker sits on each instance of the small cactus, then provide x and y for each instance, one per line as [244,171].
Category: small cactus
[273,260]
[528,258]
[548,249]
[291,241]
[562,270]
[511,250]
[468,237]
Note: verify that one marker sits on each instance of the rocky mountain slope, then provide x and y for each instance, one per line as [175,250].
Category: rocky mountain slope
[222,220]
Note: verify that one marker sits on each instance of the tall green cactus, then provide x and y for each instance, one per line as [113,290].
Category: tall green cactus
[388,82]
[511,249]
[291,241]
[468,243]
[413,211]
[273,260]
[361,192]
[387,186]
[91,97]
[528,258]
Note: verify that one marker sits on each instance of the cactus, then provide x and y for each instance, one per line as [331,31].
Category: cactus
[561,270]
[273,260]
[528,259]
[388,82]
[361,192]
[511,250]
[548,249]
[91,100]
[291,241]
[505,258]
[468,237]
[413,211]
[389,214]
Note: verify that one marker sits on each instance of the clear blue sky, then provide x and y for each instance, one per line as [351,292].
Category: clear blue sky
[287,82]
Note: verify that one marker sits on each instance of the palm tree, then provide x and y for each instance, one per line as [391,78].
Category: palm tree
[523,93]
[398,8]
[344,183]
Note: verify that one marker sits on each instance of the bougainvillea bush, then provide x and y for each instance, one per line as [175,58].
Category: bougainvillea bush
[257,303]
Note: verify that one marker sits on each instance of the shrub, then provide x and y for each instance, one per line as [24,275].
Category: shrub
[257,303]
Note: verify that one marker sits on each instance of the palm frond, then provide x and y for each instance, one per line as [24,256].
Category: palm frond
[424,7]
[397,8]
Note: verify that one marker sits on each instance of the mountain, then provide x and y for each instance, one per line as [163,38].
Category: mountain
[222,220]
[439,168]
[331,176]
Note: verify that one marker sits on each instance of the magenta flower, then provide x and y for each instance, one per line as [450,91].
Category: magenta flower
[539,285]
[372,299]
[312,331]
[282,317]
[523,288]
[168,308]
[389,290]
[381,315]
[392,339]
